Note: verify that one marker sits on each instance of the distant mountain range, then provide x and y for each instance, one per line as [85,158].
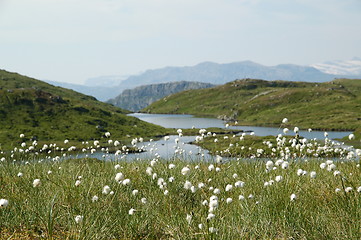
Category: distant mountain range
[140,97]
[102,93]
[105,88]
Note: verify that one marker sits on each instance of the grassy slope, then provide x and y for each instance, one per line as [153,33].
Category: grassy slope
[40,110]
[330,105]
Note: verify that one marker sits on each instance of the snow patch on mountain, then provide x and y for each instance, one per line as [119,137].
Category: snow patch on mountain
[340,67]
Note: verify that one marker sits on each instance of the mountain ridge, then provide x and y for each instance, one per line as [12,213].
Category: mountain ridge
[104,88]
[140,97]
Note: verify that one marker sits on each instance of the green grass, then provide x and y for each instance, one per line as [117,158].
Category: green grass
[47,113]
[324,106]
[48,211]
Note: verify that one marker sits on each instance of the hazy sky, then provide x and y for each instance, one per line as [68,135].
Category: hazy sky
[72,40]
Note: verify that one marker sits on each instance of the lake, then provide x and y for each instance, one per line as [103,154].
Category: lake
[189,121]
[169,149]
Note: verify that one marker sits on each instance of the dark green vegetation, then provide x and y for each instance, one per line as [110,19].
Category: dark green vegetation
[140,97]
[46,113]
[334,105]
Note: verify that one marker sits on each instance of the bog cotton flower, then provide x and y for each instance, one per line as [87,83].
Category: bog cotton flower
[77,183]
[210,216]
[119,177]
[216,191]
[126,181]
[4,203]
[229,187]
[285,130]
[285,120]
[106,189]
[131,211]
[239,184]
[187,185]
[135,192]
[269,164]
[293,197]
[212,230]
[95,198]
[279,178]
[313,174]
[79,219]
[36,183]
[351,136]
[284,165]
[185,171]
[189,218]
[211,167]
[241,197]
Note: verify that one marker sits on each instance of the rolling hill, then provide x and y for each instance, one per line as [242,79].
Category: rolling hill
[329,105]
[140,97]
[48,113]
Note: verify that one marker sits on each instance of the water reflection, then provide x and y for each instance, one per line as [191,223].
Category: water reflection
[188,121]
[181,149]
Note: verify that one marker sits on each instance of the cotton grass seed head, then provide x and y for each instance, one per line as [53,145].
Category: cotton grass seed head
[36,183]
[106,190]
[4,203]
[95,198]
[131,211]
[293,197]
[119,177]
[185,171]
[79,219]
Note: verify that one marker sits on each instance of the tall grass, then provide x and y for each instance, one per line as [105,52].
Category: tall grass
[49,210]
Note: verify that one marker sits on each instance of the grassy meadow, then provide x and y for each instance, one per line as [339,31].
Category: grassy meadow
[286,196]
[253,187]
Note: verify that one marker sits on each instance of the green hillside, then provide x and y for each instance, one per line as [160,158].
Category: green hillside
[48,113]
[329,106]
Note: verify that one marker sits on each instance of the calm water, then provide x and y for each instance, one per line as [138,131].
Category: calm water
[166,149]
[169,149]
[188,121]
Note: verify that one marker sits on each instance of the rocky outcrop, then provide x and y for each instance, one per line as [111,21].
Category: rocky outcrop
[140,97]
